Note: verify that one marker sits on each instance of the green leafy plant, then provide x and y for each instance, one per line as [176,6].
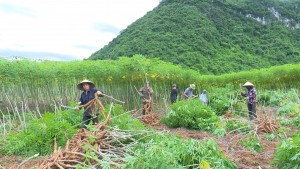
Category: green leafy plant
[123,120]
[287,154]
[172,152]
[40,134]
[291,109]
[252,143]
[194,115]
[270,136]
[220,105]
[237,126]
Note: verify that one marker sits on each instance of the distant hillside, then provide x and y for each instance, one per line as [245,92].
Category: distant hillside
[214,36]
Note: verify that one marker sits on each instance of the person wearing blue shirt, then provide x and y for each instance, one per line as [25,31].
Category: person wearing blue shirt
[188,93]
[203,97]
[88,94]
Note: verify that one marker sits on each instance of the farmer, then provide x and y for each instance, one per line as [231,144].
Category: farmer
[188,93]
[251,99]
[174,93]
[146,93]
[203,97]
[88,94]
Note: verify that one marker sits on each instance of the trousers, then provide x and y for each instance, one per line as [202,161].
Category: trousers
[252,111]
[87,119]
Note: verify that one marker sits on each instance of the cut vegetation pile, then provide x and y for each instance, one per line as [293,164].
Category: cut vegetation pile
[98,141]
[150,119]
[267,125]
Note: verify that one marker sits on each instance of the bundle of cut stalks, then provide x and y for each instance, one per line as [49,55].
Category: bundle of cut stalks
[75,151]
[266,123]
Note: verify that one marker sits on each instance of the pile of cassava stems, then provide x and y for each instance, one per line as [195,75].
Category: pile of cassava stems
[99,142]
[266,124]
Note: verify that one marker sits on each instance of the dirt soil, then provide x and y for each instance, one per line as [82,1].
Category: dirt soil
[244,158]
[13,162]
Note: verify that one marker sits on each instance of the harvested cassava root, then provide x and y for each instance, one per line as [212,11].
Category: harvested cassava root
[151,119]
[75,150]
[266,125]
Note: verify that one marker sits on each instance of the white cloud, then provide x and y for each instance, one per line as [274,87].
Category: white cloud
[73,28]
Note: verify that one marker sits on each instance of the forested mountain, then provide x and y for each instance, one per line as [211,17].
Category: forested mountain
[214,36]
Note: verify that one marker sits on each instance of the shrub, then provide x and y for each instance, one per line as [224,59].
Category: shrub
[192,114]
[289,109]
[264,98]
[238,126]
[220,105]
[251,143]
[40,134]
[287,154]
[172,152]
[123,120]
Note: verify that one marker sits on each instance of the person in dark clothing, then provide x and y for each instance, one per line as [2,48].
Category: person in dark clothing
[174,93]
[251,99]
[88,94]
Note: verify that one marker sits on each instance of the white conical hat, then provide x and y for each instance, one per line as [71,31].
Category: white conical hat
[248,84]
[79,85]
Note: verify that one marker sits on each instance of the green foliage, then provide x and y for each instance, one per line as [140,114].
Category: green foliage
[40,134]
[172,152]
[213,37]
[48,80]
[252,143]
[270,136]
[287,154]
[291,109]
[238,126]
[123,120]
[281,98]
[194,115]
[221,100]
[264,98]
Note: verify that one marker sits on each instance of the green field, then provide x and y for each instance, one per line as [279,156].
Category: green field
[189,135]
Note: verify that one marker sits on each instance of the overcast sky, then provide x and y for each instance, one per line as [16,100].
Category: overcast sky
[64,29]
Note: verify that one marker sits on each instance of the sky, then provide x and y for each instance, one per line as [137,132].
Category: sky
[64,29]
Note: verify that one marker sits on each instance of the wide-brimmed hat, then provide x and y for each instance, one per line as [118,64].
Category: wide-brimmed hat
[80,87]
[173,85]
[193,86]
[248,84]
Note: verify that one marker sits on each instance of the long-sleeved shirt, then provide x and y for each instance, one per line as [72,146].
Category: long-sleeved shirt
[85,98]
[251,95]
[203,98]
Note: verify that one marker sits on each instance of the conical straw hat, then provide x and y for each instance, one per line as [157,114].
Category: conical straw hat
[248,84]
[80,87]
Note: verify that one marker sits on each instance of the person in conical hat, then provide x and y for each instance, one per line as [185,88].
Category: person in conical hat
[89,92]
[188,93]
[251,99]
